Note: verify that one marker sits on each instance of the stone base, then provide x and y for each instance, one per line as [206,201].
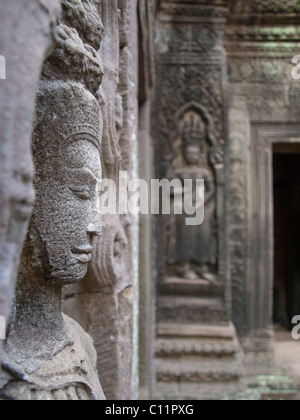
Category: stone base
[197,362]
[259,353]
[192,301]
[276,387]
[177,286]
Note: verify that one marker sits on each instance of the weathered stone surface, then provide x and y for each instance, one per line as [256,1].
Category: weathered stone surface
[69,375]
[147,290]
[197,361]
[269,7]
[46,354]
[192,249]
[110,291]
[191,143]
[112,340]
[25,41]
[261,90]
[224,90]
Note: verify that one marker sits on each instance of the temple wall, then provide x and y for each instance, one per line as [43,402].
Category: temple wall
[263,109]
[154,307]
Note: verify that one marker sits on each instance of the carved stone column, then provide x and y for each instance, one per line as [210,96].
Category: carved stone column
[198,354]
[147,69]
[107,303]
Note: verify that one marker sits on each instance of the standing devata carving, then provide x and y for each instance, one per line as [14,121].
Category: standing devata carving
[47,354]
[191,249]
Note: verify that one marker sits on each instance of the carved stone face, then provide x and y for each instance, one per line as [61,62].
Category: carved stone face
[68,171]
[68,211]
[192,154]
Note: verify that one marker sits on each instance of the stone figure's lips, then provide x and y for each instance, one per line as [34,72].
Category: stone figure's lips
[82,250]
[83,254]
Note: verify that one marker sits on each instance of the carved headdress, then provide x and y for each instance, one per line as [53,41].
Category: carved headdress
[78,38]
[66,112]
[68,106]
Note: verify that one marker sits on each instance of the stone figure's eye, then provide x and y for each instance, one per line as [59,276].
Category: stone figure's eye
[82,193]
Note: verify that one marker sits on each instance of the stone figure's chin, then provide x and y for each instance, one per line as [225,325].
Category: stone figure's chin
[74,274]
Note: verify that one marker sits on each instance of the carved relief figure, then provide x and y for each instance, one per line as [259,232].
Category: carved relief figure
[47,354]
[192,253]
[23,68]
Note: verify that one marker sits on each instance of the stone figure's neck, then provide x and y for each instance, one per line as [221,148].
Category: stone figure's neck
[38,323]
[38,302]
[37,331]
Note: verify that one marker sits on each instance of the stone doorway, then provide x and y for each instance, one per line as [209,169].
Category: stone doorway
[267,140]
[286,181]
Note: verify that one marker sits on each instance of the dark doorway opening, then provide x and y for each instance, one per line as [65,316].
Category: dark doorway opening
[286,175]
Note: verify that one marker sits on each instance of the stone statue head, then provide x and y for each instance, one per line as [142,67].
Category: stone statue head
[66,150]
[191,153]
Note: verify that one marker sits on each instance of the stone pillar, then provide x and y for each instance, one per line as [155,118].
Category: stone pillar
[197,351]
[25,41]
[147,173]
[263,107]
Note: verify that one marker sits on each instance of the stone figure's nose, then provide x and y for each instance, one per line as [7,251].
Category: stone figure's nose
[95,228]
